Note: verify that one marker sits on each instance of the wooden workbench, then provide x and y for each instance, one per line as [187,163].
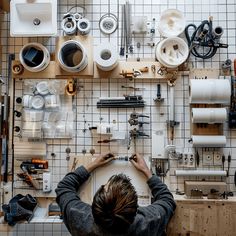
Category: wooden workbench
[203,218]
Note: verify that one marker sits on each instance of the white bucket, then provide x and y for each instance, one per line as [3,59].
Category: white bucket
[72,56]
[42,60]
[172,52]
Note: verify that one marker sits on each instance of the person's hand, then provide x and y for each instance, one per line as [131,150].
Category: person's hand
[139,163]
[100,161]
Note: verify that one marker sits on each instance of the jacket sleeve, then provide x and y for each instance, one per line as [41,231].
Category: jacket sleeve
[67,188]
[157,215]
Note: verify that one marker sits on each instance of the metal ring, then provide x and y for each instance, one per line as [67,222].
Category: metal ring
[108,23]
[68,25]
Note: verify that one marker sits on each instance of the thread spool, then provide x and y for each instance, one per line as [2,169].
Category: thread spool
[34,57]
[83,26]
[209,91]
[69,25]
[17,69]
[172,52]
[72,56]
[208,140]
[209,115]
[106,57]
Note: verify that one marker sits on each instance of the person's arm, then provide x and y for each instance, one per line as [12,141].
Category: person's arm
[164,203]
[67,188]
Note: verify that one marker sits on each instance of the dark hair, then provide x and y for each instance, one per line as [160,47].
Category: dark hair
[115,205]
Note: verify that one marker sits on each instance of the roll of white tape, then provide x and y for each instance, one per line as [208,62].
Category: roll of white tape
[72,56]
[172,23]
[37,102]
[84,26]
[172,52]
[209,91]
[34,57]
[208,140]
[209,115]
[69,25]
[106,57]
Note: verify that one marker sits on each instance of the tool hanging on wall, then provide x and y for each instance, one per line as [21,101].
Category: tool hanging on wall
[126,38]
[172,122]
[5,121]
[130,74]
[204,37]
[232,112]
[158,98]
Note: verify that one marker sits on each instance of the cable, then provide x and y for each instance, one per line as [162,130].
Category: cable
[203,38]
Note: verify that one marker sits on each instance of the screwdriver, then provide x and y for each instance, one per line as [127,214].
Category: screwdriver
[107,140]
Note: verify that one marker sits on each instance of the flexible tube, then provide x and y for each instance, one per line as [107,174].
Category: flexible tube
[200,173]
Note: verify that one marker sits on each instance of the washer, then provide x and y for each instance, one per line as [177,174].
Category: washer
[84,26]
[68,25]
[108,23]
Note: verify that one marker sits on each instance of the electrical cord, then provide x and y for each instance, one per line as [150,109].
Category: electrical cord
[203,36]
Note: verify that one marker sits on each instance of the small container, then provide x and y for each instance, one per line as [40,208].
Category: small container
[37,102]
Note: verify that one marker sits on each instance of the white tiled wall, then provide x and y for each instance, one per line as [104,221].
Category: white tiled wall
[223,12]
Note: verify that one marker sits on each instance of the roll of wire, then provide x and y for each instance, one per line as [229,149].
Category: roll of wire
[83,26]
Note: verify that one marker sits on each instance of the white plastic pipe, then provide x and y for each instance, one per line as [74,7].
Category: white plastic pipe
[200,173]
[208,140]
[209,91]
[209,115]
[172,104]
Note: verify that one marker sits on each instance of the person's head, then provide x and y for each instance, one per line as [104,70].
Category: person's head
[115,204]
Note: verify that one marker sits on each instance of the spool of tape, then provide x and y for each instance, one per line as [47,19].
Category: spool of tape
[72,56]
[69,25]
[84,26]
[34,57]
[106,57]
[37,102]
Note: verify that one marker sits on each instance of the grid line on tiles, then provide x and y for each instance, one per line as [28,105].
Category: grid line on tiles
[86,113]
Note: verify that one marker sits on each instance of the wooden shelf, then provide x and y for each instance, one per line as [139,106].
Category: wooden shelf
[48,73]
[132,65]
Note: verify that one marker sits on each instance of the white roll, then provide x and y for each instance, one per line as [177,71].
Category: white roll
[200,173]
[209,115]
[106,57]
[208,140]
[172,52]
[72,56]
[83,26]
[38,54]
[209,91]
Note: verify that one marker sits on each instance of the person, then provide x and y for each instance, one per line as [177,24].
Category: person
[114,209]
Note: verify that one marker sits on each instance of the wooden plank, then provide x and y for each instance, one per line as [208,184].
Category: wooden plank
[48,73]
[134,65]
[87,42]
[5,5]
